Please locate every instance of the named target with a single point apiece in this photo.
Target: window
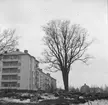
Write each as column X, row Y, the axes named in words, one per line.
column 18, row 57
column 9, row 84
column 18, row 77
column 18, row 84
column 36, row 65
column 4, row 77
column 5, row 85
column 9, row 70
column 10, row 77
column 13, row 77
column 19, row 64
column 6, row 57
column 18, row 70
column 11, row 57
column 11, row 63
column 37, row 73
column 14, row 84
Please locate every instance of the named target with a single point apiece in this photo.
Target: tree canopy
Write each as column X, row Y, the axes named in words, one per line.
column 66, row 44
column 8, row 40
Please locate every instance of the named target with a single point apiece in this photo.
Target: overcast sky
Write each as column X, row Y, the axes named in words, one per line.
column 28, row 17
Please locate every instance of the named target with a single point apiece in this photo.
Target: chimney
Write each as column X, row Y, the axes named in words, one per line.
column 5, row 52
column 41, row 70
column 48, row 74
column 26, row 51
column 17, row 50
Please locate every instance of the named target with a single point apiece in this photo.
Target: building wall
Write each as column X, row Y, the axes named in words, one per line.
column 34, row 66
column 25, row 72
column 45, row 81
column 53, row 81
column 37, row 79
column 10, row 67
column 40, row 79
column 29, row 76
column 0, row 71
column 29, row 66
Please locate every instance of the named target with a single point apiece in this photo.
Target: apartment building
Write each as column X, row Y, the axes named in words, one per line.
column 53, row 83
column 45, row 81
column 20, row 70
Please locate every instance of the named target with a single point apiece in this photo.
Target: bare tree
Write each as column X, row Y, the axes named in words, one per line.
column 66, row 44
column 8, row 40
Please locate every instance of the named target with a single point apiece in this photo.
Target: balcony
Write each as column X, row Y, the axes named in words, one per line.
column 11, row 85
column 11, row 58
column 8, row 71
column 3, row 80
column 11, row 64
column 8, row 78
column 3, row 87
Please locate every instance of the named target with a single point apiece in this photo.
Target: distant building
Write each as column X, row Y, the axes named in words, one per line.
column 19, row 70
column 96, row 90
column 85, row 89
column 53, row 83
column 45, row 81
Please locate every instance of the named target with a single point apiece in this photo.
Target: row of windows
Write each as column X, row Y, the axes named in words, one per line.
column 10, row 70
column 11, row 57
column 10, row 84
column 11, row 63
column 10, row 77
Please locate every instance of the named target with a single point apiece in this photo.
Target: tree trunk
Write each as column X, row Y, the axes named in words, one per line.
column 65, row 80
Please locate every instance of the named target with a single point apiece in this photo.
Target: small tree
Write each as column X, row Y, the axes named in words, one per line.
column 65, row 44
column 8, row 40
column 72, row 89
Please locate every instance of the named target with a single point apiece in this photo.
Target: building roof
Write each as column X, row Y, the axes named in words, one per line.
column 14, row 53
column 18, row 52
column 47, row 74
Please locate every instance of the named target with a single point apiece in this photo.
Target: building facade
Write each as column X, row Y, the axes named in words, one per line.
column 45, row 81
column 20, row 70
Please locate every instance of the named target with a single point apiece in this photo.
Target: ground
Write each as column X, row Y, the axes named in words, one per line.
column 56, row 98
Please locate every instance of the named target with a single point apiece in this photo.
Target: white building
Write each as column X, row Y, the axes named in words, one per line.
column 19, row 70
column 45, row 81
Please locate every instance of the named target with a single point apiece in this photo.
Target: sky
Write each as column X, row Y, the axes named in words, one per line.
column 28, row 17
